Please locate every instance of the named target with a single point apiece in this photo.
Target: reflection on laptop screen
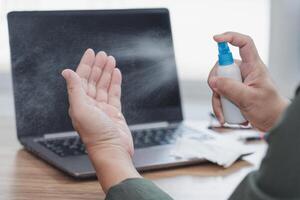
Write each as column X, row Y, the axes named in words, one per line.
column 44, row 43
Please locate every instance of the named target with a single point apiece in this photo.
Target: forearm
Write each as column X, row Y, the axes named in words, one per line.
column 112, row 167
column 279, row 174
column 119, row 178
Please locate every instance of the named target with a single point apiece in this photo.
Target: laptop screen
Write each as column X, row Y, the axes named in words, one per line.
column 43, row 43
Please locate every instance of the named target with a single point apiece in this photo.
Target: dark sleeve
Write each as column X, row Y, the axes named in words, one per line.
column 279, row 174
column 298, row 90
column 136, row 189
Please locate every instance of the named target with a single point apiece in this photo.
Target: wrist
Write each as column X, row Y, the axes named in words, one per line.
column 112, row 165
column 279, row 109
column 284, row 103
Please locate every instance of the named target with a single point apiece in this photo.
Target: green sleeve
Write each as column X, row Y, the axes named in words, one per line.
column 136, row 189
column 279, row 174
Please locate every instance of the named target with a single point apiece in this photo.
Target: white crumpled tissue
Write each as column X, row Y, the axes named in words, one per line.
column 220, row 150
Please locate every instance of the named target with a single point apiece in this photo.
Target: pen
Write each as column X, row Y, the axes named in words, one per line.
column 252, row 138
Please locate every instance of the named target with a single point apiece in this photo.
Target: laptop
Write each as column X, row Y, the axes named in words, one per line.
column 43, row 43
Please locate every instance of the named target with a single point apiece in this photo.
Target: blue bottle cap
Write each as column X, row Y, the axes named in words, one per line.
column 225, row 55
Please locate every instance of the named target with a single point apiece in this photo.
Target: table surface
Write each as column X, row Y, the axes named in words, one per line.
column 24, row 176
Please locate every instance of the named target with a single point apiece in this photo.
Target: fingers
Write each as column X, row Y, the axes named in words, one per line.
column 233, row 90
column 105, row 79
column 114, row 93
column 95, row 73
column 75, row 90
column 246, row 45
column 101, row 59
column 212, row 73
column 216, row 102
column 217, row 107
column 85, row 66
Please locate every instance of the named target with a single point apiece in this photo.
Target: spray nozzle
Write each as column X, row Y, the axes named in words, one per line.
column 225, row 55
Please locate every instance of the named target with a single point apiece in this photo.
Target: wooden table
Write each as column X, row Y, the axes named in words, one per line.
column 24, row 176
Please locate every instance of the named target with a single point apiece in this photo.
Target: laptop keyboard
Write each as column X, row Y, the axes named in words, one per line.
column 153, row 137
column 73, row 146
column 69, row 146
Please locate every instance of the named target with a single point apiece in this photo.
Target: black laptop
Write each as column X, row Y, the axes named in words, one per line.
column 43, row 43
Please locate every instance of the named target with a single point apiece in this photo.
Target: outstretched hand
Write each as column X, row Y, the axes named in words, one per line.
column 94, row 92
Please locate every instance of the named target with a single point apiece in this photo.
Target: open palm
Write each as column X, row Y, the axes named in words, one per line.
column 95, row 103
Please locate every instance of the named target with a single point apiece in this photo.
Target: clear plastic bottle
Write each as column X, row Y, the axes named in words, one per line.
column 227, row 68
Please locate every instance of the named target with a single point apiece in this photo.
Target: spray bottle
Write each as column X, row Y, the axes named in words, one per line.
column 227, row 68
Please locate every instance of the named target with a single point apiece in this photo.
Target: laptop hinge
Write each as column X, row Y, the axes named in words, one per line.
column 163, row 124
column 60, row 135
column 149, row 126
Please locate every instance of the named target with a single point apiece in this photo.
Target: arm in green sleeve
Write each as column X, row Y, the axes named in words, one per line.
column 277, row 178
column 136, row 189
column 279, row 174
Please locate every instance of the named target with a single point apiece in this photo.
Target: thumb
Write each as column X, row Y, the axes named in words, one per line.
column 231, row 89
column 74, row 86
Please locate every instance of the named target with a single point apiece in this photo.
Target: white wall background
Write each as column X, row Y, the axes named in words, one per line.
column 285, row 45
column 194, row 23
